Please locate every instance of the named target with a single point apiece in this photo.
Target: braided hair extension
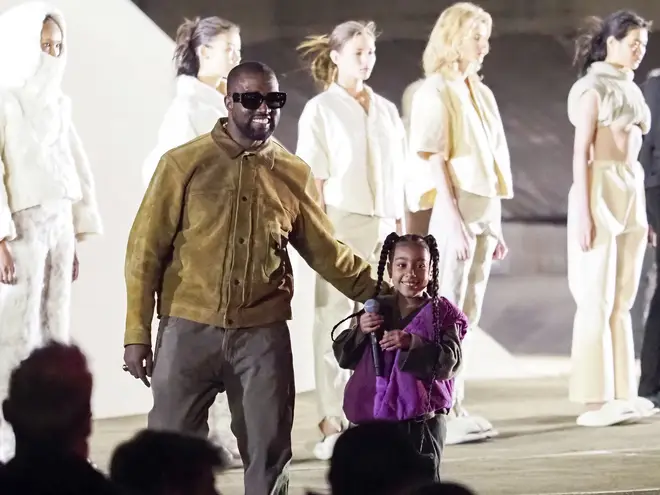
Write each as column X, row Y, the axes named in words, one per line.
column 387, row 250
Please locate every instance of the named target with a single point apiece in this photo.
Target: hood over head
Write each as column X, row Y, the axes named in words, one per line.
column 22, row 63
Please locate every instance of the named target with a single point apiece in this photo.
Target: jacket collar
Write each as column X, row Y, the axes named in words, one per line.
column 265, row 152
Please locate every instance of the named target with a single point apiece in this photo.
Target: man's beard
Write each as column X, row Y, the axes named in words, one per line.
column 257, row 133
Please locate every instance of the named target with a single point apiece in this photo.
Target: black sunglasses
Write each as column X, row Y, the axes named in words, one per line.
column 253, row 99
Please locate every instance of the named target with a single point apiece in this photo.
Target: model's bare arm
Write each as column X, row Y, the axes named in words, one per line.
column 586, row 122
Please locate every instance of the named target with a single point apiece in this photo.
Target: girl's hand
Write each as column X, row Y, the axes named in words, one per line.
column 370, row 322
column 395, row 339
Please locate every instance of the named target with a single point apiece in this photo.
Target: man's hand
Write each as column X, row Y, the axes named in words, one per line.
column 395, row 339
column 370, row 322
column 140, row 361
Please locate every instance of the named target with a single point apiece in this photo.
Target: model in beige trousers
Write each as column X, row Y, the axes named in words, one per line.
column 604, row 281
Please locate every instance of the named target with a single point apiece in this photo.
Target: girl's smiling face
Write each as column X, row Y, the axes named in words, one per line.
column 409, row 268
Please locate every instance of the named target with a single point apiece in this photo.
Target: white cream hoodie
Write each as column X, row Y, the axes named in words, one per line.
column 194, row 111
column 42, row 157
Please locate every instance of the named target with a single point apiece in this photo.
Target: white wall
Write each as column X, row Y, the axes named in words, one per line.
column 119, row 77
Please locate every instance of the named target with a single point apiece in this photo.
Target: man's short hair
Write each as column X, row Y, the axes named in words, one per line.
column 49, row 399
column 154, row 460
column 249, row 68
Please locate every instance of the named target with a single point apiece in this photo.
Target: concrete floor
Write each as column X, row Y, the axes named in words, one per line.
column 540, row 449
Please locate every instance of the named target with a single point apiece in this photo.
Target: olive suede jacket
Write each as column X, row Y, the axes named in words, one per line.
column 210, row 238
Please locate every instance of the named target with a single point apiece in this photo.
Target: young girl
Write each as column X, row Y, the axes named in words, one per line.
column 419, row 336
column 607, row 224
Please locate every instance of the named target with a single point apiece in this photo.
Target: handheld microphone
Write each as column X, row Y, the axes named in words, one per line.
column 372, row 306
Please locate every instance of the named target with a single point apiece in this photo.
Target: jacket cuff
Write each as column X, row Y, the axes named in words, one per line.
column 137, row 336
column 86, row 221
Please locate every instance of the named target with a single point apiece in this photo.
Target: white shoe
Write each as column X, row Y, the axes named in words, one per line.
column 612, row 413
column 644, row 407
column 468, row 429
column 323, row 449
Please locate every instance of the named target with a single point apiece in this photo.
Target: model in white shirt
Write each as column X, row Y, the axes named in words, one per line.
column 47, row 198
column 354, row 141
column 207, row 49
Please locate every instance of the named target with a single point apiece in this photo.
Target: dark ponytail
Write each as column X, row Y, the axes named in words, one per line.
column 591, row 42
column 190, row 36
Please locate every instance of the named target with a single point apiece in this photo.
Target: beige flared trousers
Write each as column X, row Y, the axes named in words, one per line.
column 604, row 282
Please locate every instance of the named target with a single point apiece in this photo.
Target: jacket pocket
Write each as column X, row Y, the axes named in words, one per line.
column 276, row 259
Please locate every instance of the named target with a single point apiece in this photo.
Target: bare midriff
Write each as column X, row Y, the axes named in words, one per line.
column 617, row 143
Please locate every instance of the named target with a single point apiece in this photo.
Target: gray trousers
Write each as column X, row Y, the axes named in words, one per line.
column 193, row 362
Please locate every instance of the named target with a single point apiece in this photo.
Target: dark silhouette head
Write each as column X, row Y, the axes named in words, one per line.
column 158, row 462
column 49, row 400
column 378, row 458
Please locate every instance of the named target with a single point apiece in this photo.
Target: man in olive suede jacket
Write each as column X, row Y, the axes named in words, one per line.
column 210, row 240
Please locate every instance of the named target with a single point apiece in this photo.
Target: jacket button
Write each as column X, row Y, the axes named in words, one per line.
column 230, row 321
column 243, row 198
column 237, row 282
column 241, row 240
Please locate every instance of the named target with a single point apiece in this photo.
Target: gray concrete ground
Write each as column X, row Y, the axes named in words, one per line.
column 540, row 449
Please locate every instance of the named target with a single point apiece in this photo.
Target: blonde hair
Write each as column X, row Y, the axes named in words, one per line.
column 318, row 49
column 452, row 27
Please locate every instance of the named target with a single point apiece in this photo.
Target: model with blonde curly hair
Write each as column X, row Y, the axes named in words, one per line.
column 456, row 129
column 354, row 141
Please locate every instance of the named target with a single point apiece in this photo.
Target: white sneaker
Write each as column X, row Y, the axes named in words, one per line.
column 468, row 429
column 323, row 449
column 644, row 407
column 612, row 413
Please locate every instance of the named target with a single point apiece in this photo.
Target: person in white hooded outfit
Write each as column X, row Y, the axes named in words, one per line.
column 207, row 49
column 47, row 198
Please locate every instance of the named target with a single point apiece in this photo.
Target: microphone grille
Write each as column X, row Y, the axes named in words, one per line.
column 371, row 306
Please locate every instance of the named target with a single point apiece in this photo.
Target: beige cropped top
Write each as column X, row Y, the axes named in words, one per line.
column 622, row 102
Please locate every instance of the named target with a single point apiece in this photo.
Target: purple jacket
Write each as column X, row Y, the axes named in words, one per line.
column 402, row 393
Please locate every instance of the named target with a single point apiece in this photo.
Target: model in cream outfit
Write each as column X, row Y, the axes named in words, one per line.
column 607, row 225
column 207, row 49
column 354, row 141
column 47, row 191
column 456, row 128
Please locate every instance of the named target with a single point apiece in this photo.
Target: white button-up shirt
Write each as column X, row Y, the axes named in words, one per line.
column 361, row 156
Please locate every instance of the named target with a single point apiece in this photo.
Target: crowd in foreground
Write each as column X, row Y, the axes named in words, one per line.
column 49, row 408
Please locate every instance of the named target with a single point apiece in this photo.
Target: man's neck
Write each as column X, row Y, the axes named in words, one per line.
column 242, row 141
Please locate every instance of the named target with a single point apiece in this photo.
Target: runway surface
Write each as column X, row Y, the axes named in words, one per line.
column 540, row 449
